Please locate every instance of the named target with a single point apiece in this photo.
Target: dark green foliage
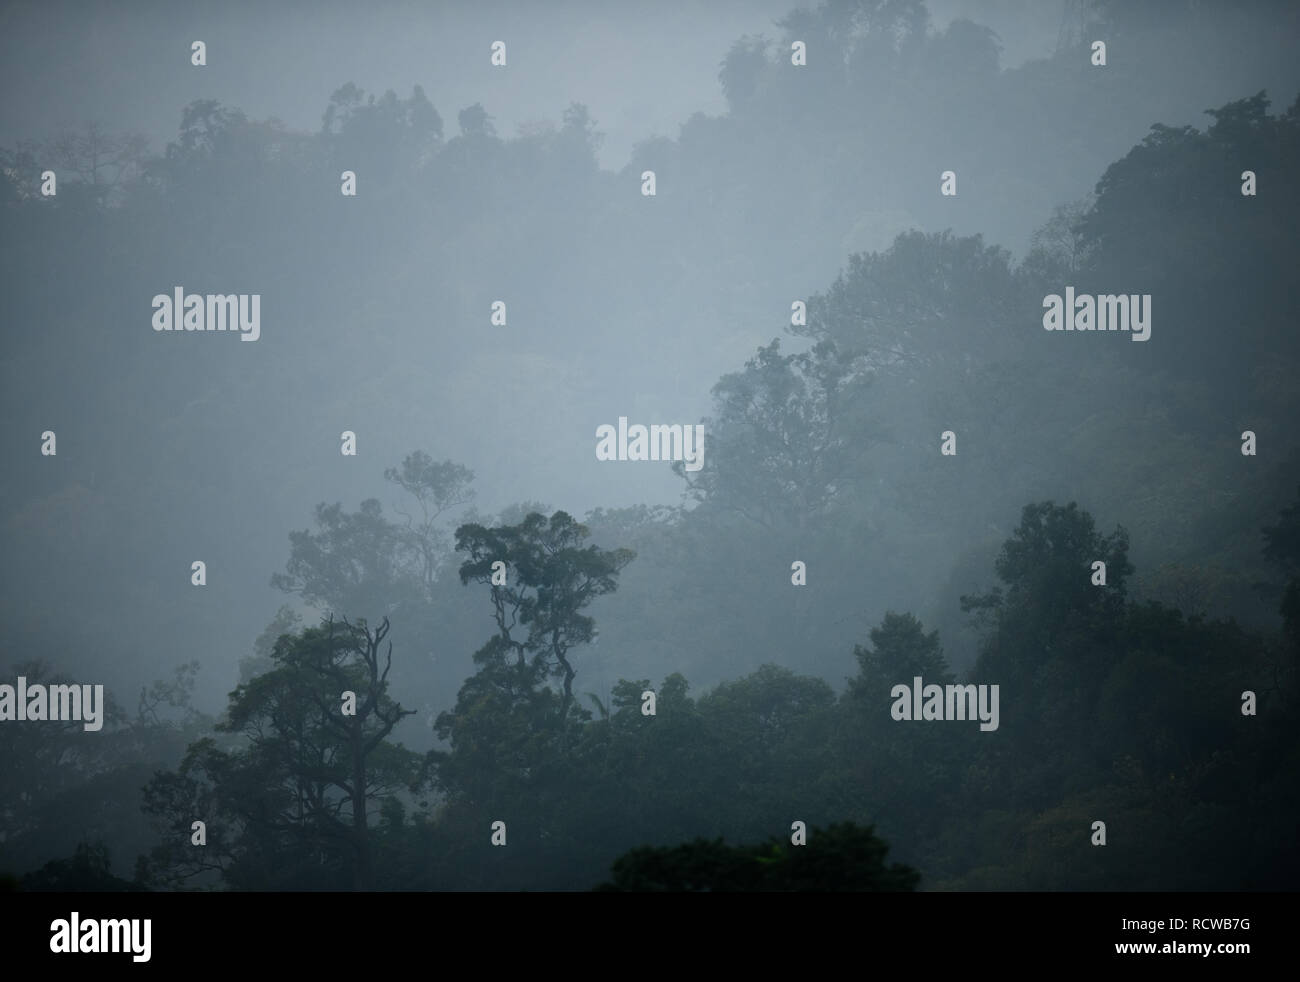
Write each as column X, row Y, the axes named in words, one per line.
column 1111, row 709
column 554, row 578
column 287, row 799
column 1170, row 215
column 840, row 858
column 88, row 871
column 63, row 787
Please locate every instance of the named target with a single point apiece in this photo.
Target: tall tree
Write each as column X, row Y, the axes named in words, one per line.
column 541, row 579
column 513, row 737
column 288, row 802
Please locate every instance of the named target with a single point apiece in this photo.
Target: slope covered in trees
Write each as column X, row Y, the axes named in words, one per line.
column 518, row 695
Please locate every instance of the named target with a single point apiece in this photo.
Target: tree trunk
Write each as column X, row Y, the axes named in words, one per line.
column 361, row 872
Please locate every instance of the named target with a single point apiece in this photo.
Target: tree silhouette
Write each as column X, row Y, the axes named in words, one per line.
column 842, row 857
column 288, row 804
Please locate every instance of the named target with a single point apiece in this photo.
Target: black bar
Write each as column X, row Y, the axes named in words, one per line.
column 483, row 934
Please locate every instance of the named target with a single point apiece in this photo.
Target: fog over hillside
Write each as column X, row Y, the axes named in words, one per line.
column 766, row 321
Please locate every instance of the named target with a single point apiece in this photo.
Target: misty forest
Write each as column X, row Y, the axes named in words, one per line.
column 376, row 607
